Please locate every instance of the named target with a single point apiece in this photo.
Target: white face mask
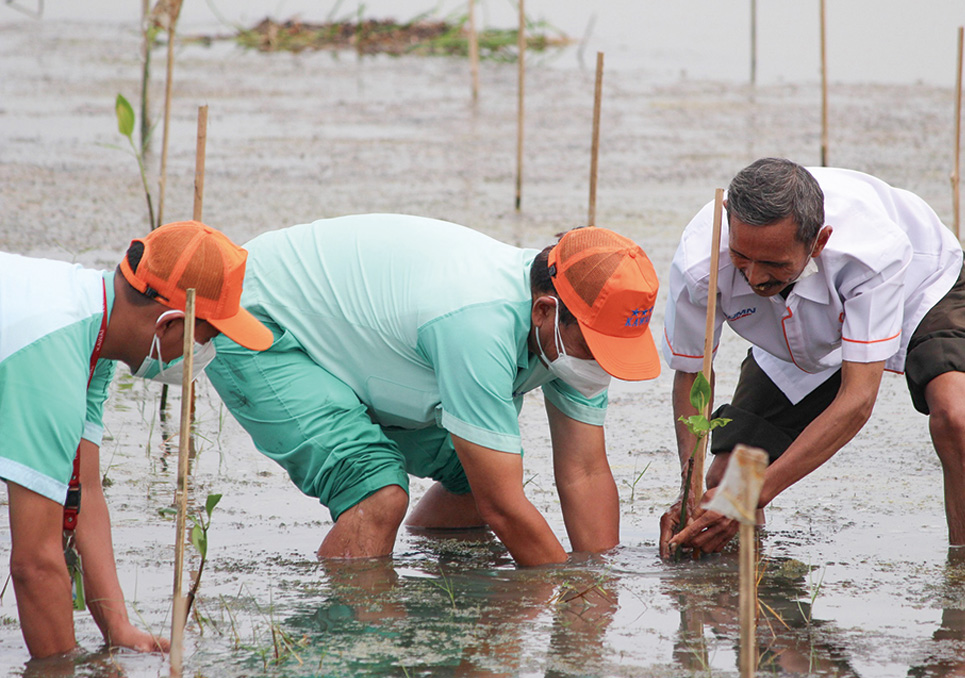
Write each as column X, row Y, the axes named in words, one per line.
column 172, row 373
column 586, row 376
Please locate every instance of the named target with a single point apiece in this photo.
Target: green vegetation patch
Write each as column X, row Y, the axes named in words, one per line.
column 422, row 36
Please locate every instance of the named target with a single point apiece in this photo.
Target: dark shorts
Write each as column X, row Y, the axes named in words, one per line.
column 938, row 344
column 762, row 416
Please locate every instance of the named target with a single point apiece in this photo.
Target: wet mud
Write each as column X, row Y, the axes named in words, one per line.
column 858, row 579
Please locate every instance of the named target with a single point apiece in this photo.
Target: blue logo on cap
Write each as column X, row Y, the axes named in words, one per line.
column 639, row 316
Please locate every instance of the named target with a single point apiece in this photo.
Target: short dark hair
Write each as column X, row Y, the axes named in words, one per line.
column 771, row 189
column 133, row 296
column 541, row 283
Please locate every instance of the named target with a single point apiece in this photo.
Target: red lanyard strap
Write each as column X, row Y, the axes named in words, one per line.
column 72, row 503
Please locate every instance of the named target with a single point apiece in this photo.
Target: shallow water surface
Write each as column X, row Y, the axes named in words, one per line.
column 857, row 579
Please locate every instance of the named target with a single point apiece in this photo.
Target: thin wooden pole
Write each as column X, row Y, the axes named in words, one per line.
column 473, row 51
column 179, row 614
column 956, row 194
column 145, row 131
column 824, row 86
column 700, row 452
column 199, row 158
column 752, row 464
column 595, row 146
column 748, row 601
column 736, row 497
column 753, row 42
column 173, row 12
column 521, row 48
column 199, row 161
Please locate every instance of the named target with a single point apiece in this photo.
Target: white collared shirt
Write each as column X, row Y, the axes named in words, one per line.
column 888, row 261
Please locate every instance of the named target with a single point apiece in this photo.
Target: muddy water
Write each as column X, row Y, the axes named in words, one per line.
column 857, row 579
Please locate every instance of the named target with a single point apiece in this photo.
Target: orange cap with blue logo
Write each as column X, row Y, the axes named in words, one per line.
column 189, row 254
column 609, row 285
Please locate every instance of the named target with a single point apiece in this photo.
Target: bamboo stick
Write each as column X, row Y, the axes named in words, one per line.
column 162, row 180
column 179, row 614
column 752, row 464
column 824, row 87
column 473, row 51
column 595, row 146
column 146, row 76
column 521, row 48
column 753, row 42
column 956, row 194
column 700, row 453
column 199, row 158
column 736, row 497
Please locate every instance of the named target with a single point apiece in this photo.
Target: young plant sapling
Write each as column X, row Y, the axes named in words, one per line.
column 699, row 426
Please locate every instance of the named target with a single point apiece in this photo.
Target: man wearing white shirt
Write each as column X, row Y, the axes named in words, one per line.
column 834, row 277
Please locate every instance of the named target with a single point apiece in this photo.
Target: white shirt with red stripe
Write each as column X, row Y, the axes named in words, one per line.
column 888, row 261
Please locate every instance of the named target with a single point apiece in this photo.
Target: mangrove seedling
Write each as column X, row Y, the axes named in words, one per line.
column 125, row 125
column 699, row 426
column 199, row 539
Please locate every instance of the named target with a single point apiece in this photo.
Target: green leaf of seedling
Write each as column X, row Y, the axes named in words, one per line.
column 700, row 392
column 167, row 512
column 696, row 424
column 125, row 116
column 200, row 540
column 718, row 422
column 209, row 505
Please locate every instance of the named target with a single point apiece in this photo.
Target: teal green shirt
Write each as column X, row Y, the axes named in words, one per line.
column 425, row 320
column 50, row 316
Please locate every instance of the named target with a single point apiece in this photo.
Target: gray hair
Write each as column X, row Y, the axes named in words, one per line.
column 771, row 189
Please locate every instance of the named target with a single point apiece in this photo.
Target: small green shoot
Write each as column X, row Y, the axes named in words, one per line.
column 633, row 485
column 446, row 585
column 199, row 539
column 125, row 125
column 699, row 426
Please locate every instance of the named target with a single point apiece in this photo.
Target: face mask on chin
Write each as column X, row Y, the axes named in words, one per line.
column 586, row 376
column 172, row 373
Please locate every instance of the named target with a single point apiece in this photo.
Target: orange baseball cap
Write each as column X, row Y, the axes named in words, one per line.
column 186, row 254
column 608, row 283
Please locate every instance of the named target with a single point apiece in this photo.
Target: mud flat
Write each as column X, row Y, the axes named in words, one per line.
column 856, row 557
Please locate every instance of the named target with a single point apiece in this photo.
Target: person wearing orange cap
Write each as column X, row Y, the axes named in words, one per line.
column 404, row 345
column 62, row 327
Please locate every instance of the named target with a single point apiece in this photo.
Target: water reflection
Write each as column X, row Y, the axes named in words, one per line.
column 76, row 664
column 946, row 652
column 458, row 607
column 791, row 642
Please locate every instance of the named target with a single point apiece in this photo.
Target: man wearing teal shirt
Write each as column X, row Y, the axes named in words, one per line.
column 404, row 345
column 61, row 329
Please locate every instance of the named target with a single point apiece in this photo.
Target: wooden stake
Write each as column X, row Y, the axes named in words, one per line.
column 824, row 87
column 174, row 9
column 521, row 48
column 473, row 51
column 700, row 453
column 595, row 146
column 199, row 161
column 748, row 601
column 737, row 497
column 179, row 614
column 956, row 195
column 753, row 42
column 146, row 76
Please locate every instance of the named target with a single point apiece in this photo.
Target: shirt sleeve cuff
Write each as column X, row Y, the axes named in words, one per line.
column 503, row 442
column 93, row 432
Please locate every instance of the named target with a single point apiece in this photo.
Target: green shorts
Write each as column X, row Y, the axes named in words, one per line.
column 318, row 430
